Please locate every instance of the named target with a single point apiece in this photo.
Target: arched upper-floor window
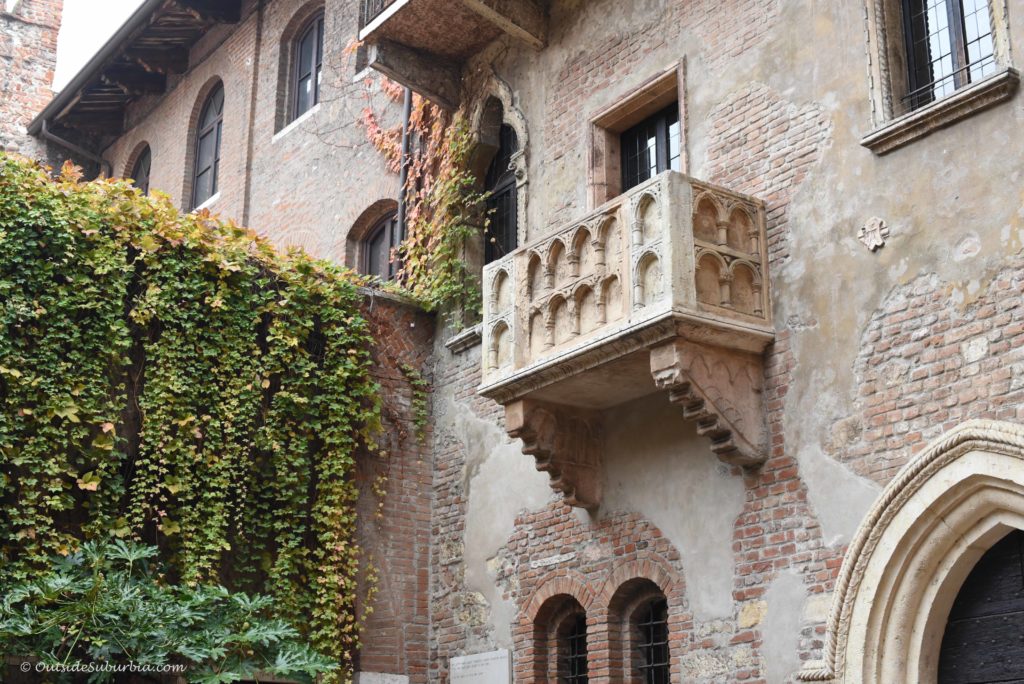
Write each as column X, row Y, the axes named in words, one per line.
column 500, row 182
column 308, row 67
column 377, row 247
column 139, row 172
column 206, row 170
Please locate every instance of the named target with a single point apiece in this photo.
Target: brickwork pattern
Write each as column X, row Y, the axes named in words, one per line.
column 28, row 56
column 927, row 364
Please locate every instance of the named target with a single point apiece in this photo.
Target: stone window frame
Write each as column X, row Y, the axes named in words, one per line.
column 292, row 32
column 905, row 565
column 887, row 74
column 604, row 173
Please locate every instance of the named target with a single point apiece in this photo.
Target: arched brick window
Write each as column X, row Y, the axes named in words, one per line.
column 377, row 248
column 206, row 169
column 638, row 633
column 139, row 167
column 559, row 650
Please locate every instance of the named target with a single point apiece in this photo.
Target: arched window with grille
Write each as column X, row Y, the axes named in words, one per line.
column 651, row 641
column 308, row 67
column 572, row 649
column 502, row 209
column 140, row 169
column 206, row 170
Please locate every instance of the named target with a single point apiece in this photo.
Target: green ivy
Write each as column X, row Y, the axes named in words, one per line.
column 173, row 379
column 420, row 407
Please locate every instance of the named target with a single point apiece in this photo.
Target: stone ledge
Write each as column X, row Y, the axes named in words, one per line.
column 945, row 112
column 465, row 339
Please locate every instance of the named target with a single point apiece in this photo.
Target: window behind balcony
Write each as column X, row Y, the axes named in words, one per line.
column 651, row 147
column 949, row 44
column 503, row 227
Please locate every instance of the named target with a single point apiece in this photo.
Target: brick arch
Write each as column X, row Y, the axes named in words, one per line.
column 300, row 19
column 133, row 158
column 628, row 590
column 559, row 596
column 569, row 583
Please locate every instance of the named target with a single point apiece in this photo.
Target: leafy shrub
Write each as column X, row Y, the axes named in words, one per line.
column 108, row 603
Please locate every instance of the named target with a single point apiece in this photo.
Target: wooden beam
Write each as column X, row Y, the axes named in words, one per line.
column 433, row 77
column 135, row 80
column 164, row 61
column 217, row 11
column 107, row 123
column 525, row 20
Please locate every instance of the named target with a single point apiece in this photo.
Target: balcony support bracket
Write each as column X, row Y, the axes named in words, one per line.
column 567, row 443
column 521, row 19
column 721, row 391
column 432, row 77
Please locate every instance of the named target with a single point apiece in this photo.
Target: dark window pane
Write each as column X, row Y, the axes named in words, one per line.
column 502, row 234
column 652, row 628
column 572, row 652
column 651, row 147
column 140, row 173
column 308, row 66
column 207, row 150
column 377, row 248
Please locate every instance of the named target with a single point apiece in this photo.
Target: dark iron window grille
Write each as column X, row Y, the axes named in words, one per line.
column 573, row 652
column 308, row 59
column 373, row 8
column 652, row 626
column 377, row 248
column 651, row 147
column 502, row 234
column 140, row 172
column 208, row 136
column 949, row 44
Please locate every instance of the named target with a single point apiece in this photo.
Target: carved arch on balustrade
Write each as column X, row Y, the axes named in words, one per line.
column 645, row 224
column 648, row 279
column 746, row 288
column 912, row 552
column 709, row 280
column 708, row 214
column 740, row 234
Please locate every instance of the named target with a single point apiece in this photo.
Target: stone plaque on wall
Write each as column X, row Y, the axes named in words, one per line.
column 484, row 668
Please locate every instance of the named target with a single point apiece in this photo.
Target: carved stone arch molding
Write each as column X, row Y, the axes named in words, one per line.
column 494, row 87
column 913, row 551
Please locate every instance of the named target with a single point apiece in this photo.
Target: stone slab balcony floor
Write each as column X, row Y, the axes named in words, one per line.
column 664, row 288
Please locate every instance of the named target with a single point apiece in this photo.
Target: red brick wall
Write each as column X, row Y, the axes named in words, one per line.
column 28, row 55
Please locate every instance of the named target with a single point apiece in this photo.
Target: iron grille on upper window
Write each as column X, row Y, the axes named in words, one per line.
column 377, row 248
column 503, row 229
column 140, row 172
column 309, row 57
column 650, row 147
column 572, row 650
column 949, row 45
column 372, row 8
column 653, row 645
column 208, row 136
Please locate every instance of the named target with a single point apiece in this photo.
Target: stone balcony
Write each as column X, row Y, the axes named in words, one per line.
column 664, row 288
column 423, row 44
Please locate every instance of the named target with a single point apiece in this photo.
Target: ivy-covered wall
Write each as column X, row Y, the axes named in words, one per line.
column 174, row 379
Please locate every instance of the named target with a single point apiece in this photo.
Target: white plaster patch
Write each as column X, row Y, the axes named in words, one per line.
column 658, row 466
column 968, row 247
column 500, row 482
column 781, row 628
column 839, row 496
column 974, row 349
column 816, row 608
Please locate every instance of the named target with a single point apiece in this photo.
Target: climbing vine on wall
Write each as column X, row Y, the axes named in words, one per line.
column 173, row 379
column 445, row 207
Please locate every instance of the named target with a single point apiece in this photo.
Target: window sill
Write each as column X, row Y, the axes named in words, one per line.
column 208, row 203
column 296, row 123
column 947, row 111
